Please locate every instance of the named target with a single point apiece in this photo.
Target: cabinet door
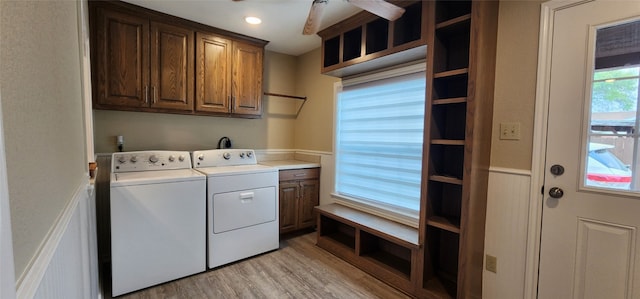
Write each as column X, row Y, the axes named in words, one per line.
column 289, row 192
column 213, row 73
column 122, row 61
column 309, row 198
column 171, row 67
column 247, row 79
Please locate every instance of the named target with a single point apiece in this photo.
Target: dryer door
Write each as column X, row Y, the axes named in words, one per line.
column 240, row 209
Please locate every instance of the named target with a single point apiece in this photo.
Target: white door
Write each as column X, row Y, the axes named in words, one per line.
column 591, row 212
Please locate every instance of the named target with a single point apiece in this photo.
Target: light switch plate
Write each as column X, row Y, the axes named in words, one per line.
column 491, row 263
column 510, row 131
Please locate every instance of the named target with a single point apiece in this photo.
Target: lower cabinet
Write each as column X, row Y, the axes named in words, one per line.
column 299, row 194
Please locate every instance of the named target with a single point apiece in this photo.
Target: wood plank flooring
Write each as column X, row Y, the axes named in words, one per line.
column 299, row 269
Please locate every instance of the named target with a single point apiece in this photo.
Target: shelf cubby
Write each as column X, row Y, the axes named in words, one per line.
column 408, row 27
column 448, row 121
column 441, row 253
column 446, row 160
column 450, row 84
column 377, row 36
column 338, row 232
column 391, row 256
column 352, row 44
column 331, row 49
column 445, row 201
column 452, row 45
column 448, row 10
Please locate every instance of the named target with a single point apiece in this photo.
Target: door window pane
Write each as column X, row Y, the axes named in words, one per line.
column 613, row 153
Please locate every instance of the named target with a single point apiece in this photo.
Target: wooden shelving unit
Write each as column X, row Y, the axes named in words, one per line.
column 460, row 79
column 366, row 42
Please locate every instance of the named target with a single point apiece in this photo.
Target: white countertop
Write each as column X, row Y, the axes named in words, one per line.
column 290, row 164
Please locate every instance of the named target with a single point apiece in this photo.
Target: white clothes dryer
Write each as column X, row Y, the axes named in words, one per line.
column 242, row 204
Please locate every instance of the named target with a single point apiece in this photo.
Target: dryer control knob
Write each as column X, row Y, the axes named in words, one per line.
column 134, row 159
column 249, row 154
column 242, row 155
column 181, row 158
column 153, row 159
column 173, row 158
column 201, row 157
column 226, row 156
column 122, row 159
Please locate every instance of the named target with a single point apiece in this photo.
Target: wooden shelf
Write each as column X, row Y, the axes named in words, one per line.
column 446, row 179
column 443, row 223
column 450, row 101
column 447, row 142
column 451, row 73
column 454, row 21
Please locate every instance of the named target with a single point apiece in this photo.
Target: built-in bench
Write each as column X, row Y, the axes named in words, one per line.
column 385, row 249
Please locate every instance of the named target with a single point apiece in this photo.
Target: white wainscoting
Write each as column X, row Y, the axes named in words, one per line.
column 506, row 232
column 66, row 266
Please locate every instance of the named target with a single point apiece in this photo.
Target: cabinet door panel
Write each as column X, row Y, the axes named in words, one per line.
column 171, row 67
column 247, row 79
column 288, row 206
column 213, row 73
column 309, row 198
column 122, row 61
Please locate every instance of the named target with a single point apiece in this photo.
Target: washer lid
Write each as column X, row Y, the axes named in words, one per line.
column 234, row 170
column 154, row 177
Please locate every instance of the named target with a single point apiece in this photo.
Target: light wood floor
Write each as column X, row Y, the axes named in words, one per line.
column 298, row 269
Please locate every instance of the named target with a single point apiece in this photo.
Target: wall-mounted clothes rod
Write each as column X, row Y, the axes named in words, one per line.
column 303, row 99
column 284, row 96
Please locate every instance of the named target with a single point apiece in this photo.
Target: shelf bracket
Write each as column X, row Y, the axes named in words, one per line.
column 303, row 99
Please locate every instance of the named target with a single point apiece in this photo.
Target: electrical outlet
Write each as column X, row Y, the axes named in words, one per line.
column 510, row 131
column 491, row 263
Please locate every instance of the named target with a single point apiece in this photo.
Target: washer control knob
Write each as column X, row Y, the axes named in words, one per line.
column 201, row 157
column 134, row 159
column 226, row 156
column 242, row 155
column 122, row 159
column 173, row 158
column 181, row 158
column 153, row 159
column 249, row 154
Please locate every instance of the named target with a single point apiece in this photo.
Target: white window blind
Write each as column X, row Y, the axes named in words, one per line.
column 379, row 133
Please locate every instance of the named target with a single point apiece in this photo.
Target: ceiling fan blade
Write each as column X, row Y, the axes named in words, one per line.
column 313, row 20
column 380, row 8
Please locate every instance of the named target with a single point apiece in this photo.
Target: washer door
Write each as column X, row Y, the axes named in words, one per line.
column 240, row 209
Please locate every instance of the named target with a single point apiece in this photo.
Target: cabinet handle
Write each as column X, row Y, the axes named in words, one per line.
column 299, row 174
column 146, row 94
column 153, row 90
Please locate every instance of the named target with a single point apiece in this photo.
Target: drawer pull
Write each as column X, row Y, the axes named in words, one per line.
column 299, row 174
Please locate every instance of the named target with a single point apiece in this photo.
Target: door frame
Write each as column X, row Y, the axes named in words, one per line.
column 545, row 46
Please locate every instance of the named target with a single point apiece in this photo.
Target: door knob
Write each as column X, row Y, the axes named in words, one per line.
column 556, row 192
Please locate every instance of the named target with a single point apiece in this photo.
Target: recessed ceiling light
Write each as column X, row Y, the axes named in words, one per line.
column 253, row 20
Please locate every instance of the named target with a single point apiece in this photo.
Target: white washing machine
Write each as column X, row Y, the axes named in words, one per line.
column 158, row 219
column 242, row 204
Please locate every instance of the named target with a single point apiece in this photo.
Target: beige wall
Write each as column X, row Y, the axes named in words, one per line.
column 515, row 89
column 314, row 126
column 42, row 117
column 148, row 131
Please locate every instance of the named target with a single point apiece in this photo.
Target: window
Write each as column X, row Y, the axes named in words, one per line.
column 379, row 134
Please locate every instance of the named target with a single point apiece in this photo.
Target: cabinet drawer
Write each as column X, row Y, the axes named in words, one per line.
column 299, row 174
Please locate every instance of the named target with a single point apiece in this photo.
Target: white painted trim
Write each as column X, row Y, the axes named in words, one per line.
column 412, row 67
column 27, row 285
column 547, row 13
column 510, row 171
column 7, row 275
column 85, row 73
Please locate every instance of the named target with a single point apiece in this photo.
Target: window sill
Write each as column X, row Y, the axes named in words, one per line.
column 404, row 217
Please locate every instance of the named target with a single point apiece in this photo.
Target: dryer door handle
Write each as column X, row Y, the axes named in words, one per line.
column 246, row 196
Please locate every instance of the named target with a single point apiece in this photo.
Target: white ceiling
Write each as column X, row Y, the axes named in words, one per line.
column 282, row 20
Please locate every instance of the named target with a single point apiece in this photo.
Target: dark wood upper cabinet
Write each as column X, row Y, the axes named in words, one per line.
column 247, row 79
column 171, row 67
column 213, row 73
column 148, row 61
column 121, row 71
